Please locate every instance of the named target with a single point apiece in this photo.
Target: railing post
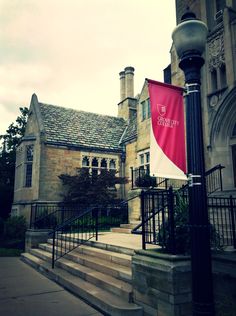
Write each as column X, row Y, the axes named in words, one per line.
column 31, row 216
column 132, row 176
column 233, row 221
column 96, row 223
column 171, row 220
column 53, row 249
column 153, row 219
column 221, row 184
column 166, row 183
column 143, row 220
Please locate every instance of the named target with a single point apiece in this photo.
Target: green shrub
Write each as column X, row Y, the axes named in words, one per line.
column 145, row 181
column 182, row 230
column 15, row 227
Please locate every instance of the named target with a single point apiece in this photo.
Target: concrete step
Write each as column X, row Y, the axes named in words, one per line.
column 113, row 269
column 101, row 299
column 130, row 225
column 97, row 278
column 107, row 255
column 104, row 246
column 121, row 230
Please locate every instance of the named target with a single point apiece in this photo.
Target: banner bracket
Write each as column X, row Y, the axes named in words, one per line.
column 191, row 178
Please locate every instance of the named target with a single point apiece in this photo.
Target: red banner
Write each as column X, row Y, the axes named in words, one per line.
column 167, row 148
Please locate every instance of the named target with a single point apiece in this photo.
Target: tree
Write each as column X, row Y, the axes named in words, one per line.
column 85, row 188
column 10, row 140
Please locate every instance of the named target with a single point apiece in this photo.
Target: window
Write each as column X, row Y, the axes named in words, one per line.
column 145, row 109
column 96, row 164
column 148, row 108
column 104, row 164
column 144, row 161
column 29, row 165
column 85, row 162
column 234, row 131
column 112, row 164
column 144, row 114
column 223, row 79
column 95, row 167
column 213, row 80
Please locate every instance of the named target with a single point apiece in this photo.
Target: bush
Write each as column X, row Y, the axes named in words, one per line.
column 15, row 227
column 145, row 181
column 182, row 230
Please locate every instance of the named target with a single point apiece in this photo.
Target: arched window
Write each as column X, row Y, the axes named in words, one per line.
column 223, row 79
column 94, row 167
column 85, row 162
column 104, row 163
column 234, row 131
column 94, row 162
column 214, row 80
column 112, row 164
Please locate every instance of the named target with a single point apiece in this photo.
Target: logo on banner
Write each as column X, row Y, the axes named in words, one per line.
column 163, row 121
column 161, row 109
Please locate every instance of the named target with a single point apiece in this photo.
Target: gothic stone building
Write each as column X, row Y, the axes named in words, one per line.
column 218, row 78
column 59, row 140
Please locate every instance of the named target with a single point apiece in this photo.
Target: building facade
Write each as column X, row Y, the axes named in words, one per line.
column 59, row 140
column 218, row 78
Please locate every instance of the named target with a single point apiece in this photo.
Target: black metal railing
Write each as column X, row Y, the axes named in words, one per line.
column 214, row 179
column 222, row 216
column 141, row 178
column 49, row 215
column 165, row 220
column 73, row 233
column 85, row 226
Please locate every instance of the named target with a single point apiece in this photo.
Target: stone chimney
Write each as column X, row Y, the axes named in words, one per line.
column 122, row 86
column 128, row 104
column 129, row 82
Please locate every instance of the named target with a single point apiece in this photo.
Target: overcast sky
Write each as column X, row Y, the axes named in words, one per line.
column 70, row 52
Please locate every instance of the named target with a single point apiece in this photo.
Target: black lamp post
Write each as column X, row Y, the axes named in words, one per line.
column 189, row 38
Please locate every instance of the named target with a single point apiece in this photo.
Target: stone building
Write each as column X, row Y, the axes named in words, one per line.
column 218, row 78
column 59, row 140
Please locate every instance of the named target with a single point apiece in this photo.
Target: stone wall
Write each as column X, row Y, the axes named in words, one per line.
column 162, row 283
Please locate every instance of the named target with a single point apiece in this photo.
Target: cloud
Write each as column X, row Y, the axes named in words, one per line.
column 70, row 52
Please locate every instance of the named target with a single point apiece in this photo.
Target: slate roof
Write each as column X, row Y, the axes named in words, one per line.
column 130, row 132
column 70, row 127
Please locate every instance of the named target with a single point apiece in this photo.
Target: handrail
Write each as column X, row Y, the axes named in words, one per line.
column 84, row 226
column 216, row 167
column 214, row 179
column 78, row 230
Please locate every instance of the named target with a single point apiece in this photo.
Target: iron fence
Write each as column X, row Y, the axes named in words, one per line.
column 51, row 215
column 165, row 220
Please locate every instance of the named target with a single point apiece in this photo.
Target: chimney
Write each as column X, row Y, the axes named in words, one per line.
column 122, row 86
column 129, row 82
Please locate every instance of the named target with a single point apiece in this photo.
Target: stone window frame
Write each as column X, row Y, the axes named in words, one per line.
column 103, row 163
column 144, row 159
column 29, row 157
column 145, row 109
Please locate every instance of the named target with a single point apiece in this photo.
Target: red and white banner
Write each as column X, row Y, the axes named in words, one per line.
column 167, row 143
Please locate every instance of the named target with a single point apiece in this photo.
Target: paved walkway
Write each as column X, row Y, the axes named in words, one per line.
column 25, row 292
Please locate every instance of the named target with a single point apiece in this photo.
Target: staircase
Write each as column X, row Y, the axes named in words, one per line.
column 98, row 273
column 125, row 228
